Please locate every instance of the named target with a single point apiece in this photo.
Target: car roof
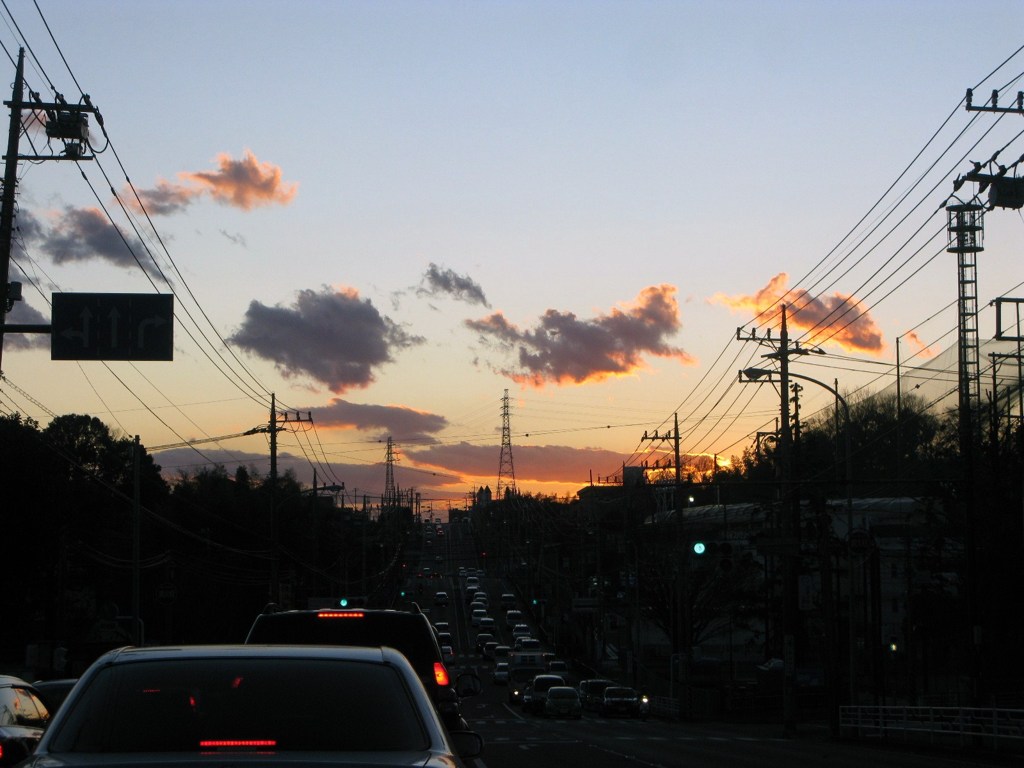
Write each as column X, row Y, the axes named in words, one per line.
column 252, row 650
column 547, row 677
column 6, row 680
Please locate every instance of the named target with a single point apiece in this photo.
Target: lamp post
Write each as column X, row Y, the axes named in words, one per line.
column 756, row 374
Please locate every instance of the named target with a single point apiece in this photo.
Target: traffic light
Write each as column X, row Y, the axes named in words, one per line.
column 358, row 601
column 718, row 551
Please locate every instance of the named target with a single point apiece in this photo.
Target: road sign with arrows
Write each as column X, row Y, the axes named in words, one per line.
column 112, row 326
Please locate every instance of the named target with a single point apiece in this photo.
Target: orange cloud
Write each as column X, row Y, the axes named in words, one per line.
column 563, row 349
column 245, row 183
column 836, row 318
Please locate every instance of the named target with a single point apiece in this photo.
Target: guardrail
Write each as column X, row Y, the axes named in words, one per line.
column 963, row 726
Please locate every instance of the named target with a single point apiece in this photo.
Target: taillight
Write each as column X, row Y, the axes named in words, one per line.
column 236, row 743
column 340, row 615
column 441, row 674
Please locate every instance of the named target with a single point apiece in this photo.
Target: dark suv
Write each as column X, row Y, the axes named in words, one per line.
column 409, row 632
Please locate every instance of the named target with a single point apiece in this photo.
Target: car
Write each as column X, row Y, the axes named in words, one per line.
column 472, row 582
column 477, row 605
column 499, row 676
column 592, row 692
column 488, row 624
column 23, row 718
column 619, row 700
column 445, row 638
column 407, row 631
column 481, row 597
column 558, row 667
column 488, row 649
column 441, row 598
column 53, row 692
column 507, row 600
column 514, row 618
column 536, row 692
column 235, row 704
column 482, row 639
column 526, row 645
column 502, row 652
column 521, row 630
column 563, row 701
column 476, row 615
column 441, row 626
column 448, row 654
column 519, row 676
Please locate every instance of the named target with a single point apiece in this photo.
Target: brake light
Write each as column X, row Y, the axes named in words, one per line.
column 229, row 743
column 441, row 674
column 340, row 615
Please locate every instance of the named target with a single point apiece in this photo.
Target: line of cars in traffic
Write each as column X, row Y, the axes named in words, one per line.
column 550, row 694
column 536, row 680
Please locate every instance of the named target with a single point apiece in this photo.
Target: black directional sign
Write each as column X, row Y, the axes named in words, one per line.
column 112, row 326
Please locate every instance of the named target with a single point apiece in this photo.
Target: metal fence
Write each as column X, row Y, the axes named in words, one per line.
column 963, row 726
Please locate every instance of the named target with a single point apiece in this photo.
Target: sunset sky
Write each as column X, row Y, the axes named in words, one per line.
column 388, row 213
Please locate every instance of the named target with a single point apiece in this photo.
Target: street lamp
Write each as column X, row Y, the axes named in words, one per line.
column 755, row 374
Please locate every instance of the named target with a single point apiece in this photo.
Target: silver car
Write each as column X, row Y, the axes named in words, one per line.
column 217, row 705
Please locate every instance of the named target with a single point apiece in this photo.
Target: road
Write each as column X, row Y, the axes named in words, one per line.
column 513, row 738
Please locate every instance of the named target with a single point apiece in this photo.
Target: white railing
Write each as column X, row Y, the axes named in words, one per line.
column 964, row 726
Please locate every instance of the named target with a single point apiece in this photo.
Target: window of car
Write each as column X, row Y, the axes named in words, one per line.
column 199, row 703
column 562, row 692
column 19, row 706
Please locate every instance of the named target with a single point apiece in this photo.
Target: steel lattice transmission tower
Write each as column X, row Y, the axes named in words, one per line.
column 966, row 236
column 506, row 470
column 390, row 498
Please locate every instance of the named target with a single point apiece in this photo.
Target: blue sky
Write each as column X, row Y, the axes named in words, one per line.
column 392, row 212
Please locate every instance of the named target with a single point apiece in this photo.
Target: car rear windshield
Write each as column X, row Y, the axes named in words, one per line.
column 408, row 633
column 193, row 705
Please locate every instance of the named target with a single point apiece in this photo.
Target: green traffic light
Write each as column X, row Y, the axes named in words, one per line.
column 699, row 548
column 343, row 602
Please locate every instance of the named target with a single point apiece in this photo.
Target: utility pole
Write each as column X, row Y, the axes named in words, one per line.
column 789, row 505
column 66, row 122
column 275, row 425
column 7, row 202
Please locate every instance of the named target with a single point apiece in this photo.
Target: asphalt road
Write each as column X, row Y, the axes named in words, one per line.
column 513, row 738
